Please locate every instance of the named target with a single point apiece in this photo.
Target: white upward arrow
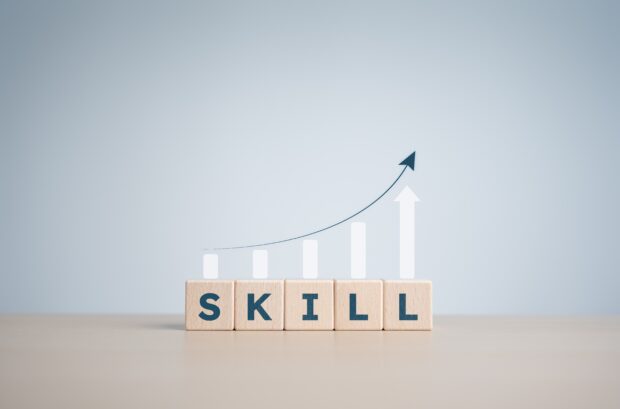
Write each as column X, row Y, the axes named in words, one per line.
column 407, row 199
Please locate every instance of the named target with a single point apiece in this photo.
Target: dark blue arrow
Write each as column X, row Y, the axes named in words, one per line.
column 409, row 162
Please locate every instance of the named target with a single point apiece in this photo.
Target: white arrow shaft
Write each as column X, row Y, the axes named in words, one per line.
column 407, row 241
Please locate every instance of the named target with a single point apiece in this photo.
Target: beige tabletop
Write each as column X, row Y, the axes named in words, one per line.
column 151, row 362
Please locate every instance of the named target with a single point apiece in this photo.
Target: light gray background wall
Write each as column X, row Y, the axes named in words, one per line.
column 133, row 134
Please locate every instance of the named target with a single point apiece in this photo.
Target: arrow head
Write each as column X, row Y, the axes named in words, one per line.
column 409, row 161
column 407, row 196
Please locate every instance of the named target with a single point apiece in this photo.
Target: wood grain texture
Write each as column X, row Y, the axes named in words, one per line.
column 273, row 305
column 369, row 296
column 194, row 289
column 419, row 301
column 296, row 306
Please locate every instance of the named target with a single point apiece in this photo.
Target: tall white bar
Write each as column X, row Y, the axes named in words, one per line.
column 210, row 266
column 310, row 257
column 259, row 263
column 407, row 200
column 358, row 250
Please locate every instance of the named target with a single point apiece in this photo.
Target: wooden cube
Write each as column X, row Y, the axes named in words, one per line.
column 309, row 305
column 209, row 304
column 407, row 305
column 358, row 305
column 259, row 305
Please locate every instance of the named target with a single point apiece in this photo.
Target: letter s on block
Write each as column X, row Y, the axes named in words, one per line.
column 204, row 303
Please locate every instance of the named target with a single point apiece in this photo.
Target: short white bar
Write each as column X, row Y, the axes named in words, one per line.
column 210, row 266
column 259, row 263
column 358, row 250
column 310, row 258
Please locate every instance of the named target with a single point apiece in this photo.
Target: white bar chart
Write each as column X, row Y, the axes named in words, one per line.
column 310, row 258
column 406, row 199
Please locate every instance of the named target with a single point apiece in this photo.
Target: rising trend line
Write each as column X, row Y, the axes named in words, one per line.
column 408, row 162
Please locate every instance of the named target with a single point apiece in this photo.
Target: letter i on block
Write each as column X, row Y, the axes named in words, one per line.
column 407, row 305
column 309, row 305
column 209, row 303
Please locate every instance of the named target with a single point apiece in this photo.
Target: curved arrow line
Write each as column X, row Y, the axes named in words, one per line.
column 316, row 231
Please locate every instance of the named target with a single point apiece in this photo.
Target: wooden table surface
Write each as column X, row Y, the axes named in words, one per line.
column 465, row 362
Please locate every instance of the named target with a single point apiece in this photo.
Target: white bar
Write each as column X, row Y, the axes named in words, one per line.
column 210, row 266
column 407, row 200
column 358, row 250
column 259, row 263
column 310, row 259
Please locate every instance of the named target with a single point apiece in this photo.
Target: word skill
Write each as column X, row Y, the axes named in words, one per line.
column 264, row 305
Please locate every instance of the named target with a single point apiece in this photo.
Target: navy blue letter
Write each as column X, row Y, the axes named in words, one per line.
column 353, row 315
column 310, row 315
column 256, row 306
column 402, row 309
column 204, row 303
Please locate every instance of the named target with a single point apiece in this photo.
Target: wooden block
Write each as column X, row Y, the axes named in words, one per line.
column 407, row 305
column 358, row 305
column 309, row 305
column 259, row 305
column 209, row 305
